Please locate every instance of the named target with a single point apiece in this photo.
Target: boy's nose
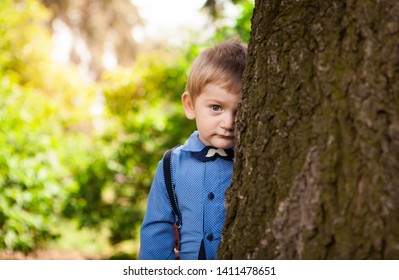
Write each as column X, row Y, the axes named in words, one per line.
column 228, row 122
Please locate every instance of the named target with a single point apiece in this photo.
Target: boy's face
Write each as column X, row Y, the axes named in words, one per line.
column 214, row 111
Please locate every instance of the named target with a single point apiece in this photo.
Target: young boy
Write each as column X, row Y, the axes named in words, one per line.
column 202, row 167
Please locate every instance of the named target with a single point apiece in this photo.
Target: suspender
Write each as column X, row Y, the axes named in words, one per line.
column 170, row 187
column 167, row 171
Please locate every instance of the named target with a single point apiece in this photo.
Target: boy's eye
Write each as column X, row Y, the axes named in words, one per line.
column 216, row 108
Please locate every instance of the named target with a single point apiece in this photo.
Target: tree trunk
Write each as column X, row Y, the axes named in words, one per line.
column 317, row 158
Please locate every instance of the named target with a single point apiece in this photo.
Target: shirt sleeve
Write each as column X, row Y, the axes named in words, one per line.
column 156, row 233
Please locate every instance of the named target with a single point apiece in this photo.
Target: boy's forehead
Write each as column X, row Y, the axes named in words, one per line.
column 214, row 92
column 220, row 87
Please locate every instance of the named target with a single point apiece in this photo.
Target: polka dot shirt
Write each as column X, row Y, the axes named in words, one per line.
column 199, row 188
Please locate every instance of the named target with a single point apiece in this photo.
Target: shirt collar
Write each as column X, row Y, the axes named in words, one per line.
column 193, row 143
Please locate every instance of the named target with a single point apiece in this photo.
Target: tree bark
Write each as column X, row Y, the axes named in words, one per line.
column 317, row 157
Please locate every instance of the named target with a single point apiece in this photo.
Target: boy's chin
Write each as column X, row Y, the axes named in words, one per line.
column 223, row 144
column 219, row 142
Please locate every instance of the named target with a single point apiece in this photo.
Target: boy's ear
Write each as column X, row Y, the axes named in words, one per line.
column 188, row 106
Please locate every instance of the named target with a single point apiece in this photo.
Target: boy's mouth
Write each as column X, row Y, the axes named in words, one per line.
column 227, row 137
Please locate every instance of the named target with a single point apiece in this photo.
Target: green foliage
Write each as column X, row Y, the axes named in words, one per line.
column 35, row 114
column 34, row 179
column 243, row 22
column 241, row 28
column 27, row 183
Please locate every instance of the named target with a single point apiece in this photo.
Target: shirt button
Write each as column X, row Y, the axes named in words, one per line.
column 209, row 237
column 211, row 195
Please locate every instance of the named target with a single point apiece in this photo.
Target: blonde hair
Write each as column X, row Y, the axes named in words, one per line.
column 222, row 64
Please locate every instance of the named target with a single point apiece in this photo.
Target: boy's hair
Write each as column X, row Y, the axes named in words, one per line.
column 222, row 64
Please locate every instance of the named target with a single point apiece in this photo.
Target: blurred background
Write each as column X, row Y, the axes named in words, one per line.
column 89, row 101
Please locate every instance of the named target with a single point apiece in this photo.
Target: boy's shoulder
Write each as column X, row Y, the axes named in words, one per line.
column 192, row 144
column 182, row 153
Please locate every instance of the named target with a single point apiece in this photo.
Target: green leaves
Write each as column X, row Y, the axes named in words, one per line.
column 35, row 119
column 33, row 177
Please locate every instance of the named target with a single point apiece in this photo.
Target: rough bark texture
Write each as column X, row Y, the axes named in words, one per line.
column 317, row 163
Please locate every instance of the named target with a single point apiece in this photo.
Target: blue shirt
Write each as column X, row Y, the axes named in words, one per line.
column 199, row 188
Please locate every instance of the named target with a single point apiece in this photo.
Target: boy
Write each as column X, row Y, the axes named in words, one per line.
column 202, row 167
